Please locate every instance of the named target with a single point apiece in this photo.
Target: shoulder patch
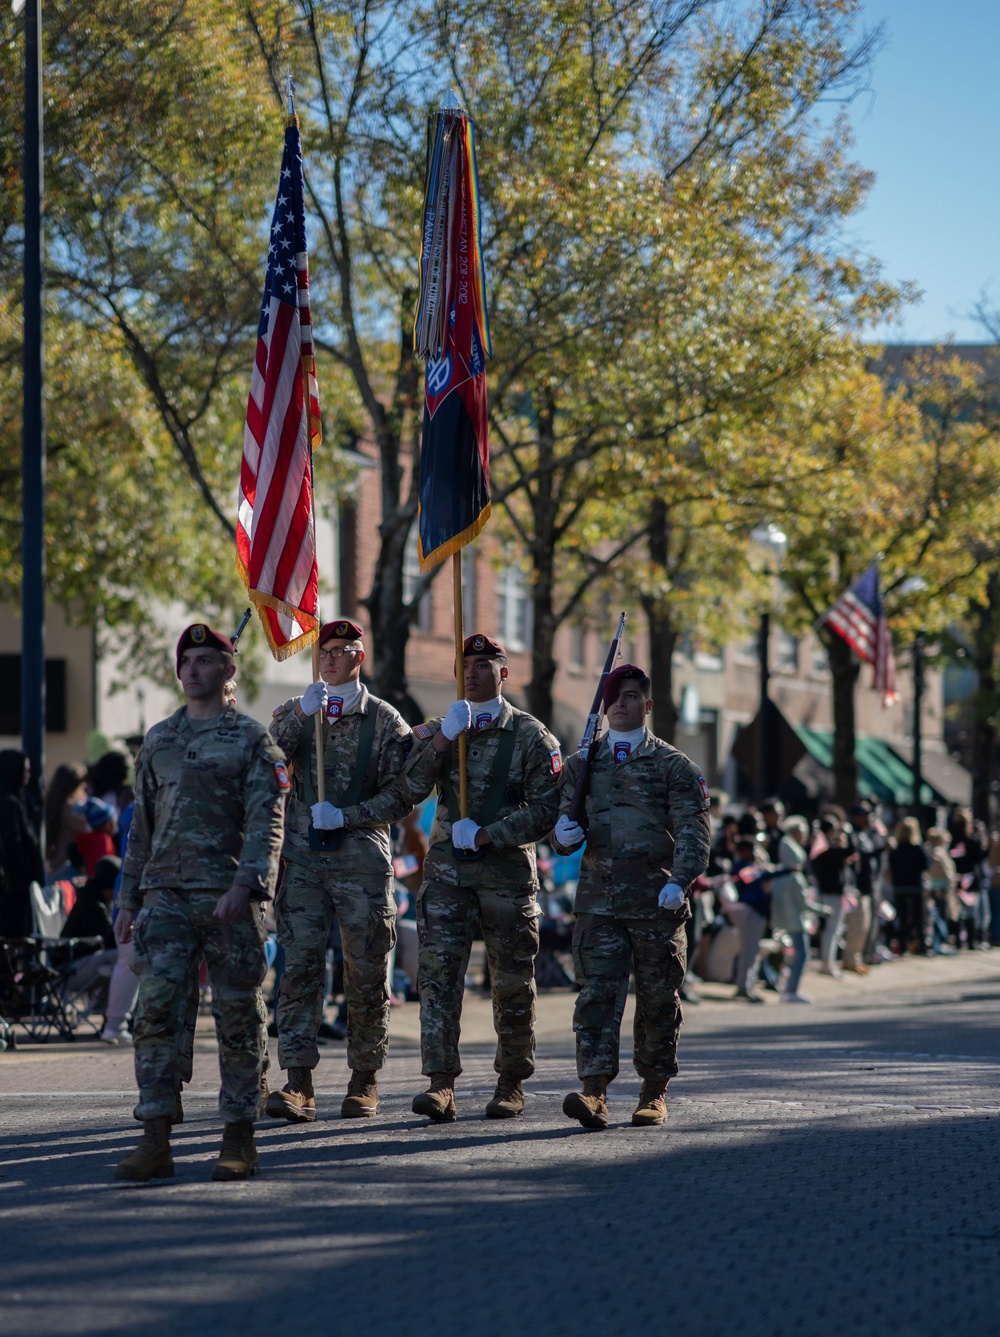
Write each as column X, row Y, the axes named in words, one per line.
column 407, row 745
column 422, row 731
column 281, row 775
column 704, row 789
column 278, row 711
column 555, row 761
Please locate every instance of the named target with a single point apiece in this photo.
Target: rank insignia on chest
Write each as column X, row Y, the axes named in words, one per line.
column 334, row 707
column 555, row 761
column 484, row 720
column 422, row 731
column 621, row 752
column 281, row 775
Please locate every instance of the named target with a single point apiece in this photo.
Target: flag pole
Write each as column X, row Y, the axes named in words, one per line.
column 463, row 771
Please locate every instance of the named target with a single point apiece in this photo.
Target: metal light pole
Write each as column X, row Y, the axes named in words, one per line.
column 33, row 434
column 919, row 645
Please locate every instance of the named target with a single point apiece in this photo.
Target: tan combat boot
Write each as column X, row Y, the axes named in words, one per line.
column 296, row 1101
column 652, row 1106
column 238, row 1156
column 438, row 1103
column 151, row 1158
column 508, row 1099
column 591, row 1105
column 361, row 1101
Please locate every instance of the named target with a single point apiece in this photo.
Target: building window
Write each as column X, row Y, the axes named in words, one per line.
column 578, row 646
column 411, row 575
column 786, row 652
column 469, row 588
column 513, row 609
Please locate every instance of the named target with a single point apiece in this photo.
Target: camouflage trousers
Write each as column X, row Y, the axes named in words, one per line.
column 447, row 918
column 307, row 900
column 187, row 1026
column 605, row 951
column 171, row 936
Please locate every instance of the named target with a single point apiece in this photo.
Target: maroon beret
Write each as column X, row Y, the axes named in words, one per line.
column 478, row 644
column 343, row 628
column 198, row 635
column 615, row 678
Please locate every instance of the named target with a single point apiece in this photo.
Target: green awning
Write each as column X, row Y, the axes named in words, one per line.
column 881, row 771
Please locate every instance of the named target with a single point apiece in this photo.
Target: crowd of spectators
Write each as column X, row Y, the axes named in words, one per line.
column 846, row 891
column 86, row 810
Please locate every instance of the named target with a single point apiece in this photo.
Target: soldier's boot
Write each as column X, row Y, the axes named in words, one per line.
column 438, row 1102
column 508, row 1099
column 296, row 1101
column 151, row 1158
column 590, row 1105
column 652, row 1106
column 238, row 1156
column 361, row 1101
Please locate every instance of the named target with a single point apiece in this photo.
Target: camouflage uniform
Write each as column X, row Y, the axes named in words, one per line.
column 628, row 859
column 208, row 816
column 354, row 882
column 498, row 890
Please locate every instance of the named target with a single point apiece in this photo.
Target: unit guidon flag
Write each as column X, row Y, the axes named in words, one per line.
column 452, row 333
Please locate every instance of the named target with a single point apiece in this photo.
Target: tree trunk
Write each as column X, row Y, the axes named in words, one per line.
column 845, row 667
column 662, row 636
column 389, row 612
column 984, row 731
column 544, row 502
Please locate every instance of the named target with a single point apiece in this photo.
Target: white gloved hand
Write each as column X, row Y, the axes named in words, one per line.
column 671, row 897
column 326, row 817
column 314, row 698
column 569, row 833
column 458, row 719
column 463, row 832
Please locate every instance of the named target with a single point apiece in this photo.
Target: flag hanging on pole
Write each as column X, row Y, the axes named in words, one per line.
column 452, row 333
column 859, row 617
column 275, row 532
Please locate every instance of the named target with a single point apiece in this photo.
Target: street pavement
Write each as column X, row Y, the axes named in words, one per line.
column 825, row 1169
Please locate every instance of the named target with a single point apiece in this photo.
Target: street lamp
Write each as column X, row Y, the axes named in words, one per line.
column 769, row 544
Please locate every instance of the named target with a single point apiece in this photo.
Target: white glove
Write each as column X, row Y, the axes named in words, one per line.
column 569, row 833
column 314, row 698
column 326, row 817
column 671, row 897
column 458, row 719
column 463, row 832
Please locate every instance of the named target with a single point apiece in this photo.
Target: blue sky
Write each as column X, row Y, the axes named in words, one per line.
column 930, row 130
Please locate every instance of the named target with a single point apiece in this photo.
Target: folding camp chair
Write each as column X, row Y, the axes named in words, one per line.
column 66, row 1006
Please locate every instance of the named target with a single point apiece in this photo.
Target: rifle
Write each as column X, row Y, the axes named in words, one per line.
column 579, row 798
column 235, row 638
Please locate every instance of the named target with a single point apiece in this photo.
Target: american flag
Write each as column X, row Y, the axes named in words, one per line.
column 859, row 616
column 275, row 532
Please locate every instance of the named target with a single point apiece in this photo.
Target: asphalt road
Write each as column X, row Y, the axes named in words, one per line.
column 825, row 1169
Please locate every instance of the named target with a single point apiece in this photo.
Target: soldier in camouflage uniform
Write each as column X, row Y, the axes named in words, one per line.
column 205, row 838
column 631, row 902
column 481, row 869
column 365, row 745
